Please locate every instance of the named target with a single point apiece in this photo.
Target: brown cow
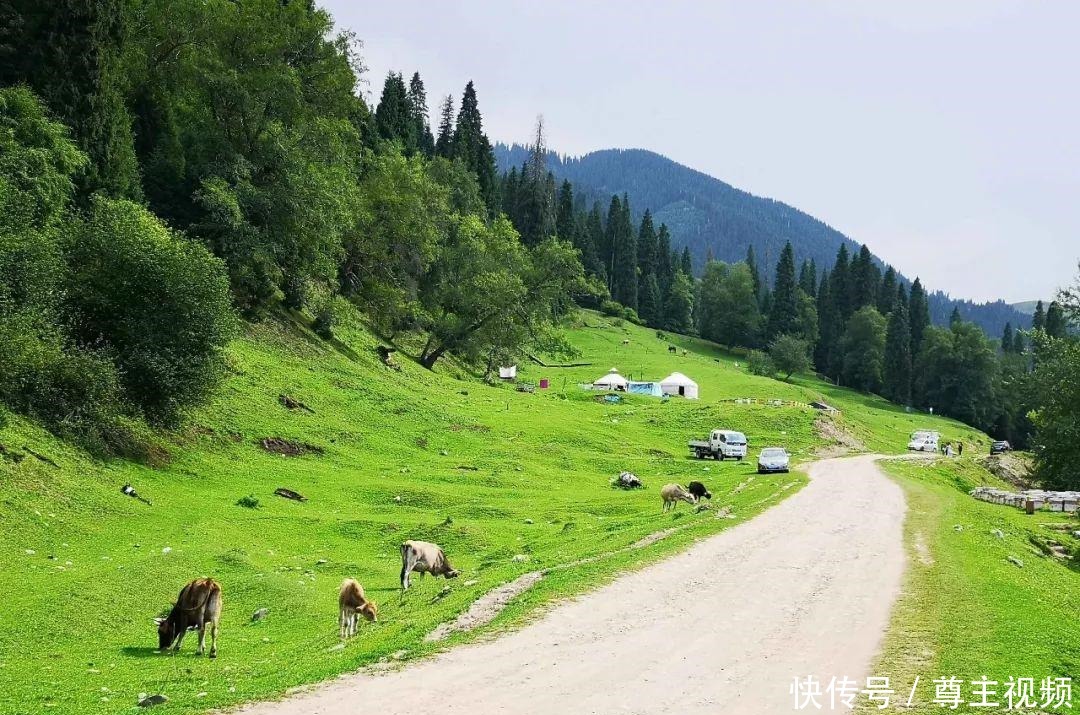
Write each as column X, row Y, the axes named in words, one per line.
column 198, row 604
column 351, row 601
column 424, row 557
column 672, row 494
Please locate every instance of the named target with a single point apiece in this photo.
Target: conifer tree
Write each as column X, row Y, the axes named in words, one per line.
column 647, row 242
column 1008, row 339
column 887, row 294
column 865, row 278
column 1055, row 321
column 840, row 286
column 1038, row 320
column 471, row 145
column 607, row 245
column 392, row 116
column 420, row 128
column 444, row 145
column 1018, row 342
column 897, row 367
column 665, row 269
column 808, row 277
column 827, row 321
column 751, row 262
column 918, row 315
column 649, row 301
column 955, row 318
column 624, row 279
column 536, row 194
column 783, row 311
column 564, row 212
column 686, row 264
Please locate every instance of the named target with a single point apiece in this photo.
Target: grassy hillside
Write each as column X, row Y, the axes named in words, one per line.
column 487, row 472
column 967, row 609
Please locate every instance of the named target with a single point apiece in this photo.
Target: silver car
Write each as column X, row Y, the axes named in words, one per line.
column 772, row 459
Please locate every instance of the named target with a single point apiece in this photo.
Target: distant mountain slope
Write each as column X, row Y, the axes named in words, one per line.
column 1027, row 307
column 714, row 218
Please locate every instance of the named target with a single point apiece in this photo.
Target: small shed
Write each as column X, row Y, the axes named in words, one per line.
column 508, row 373
column 678, row 384
column 652, row 389
column 611, row 381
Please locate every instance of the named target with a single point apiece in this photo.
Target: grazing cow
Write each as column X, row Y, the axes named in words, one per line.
column 672, row 349
column 424, row 557
column 351, row 601
column 698, row 490
column 198, row 605
column 672, row 494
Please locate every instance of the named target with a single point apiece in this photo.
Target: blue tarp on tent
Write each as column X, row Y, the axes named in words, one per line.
column 645, row 388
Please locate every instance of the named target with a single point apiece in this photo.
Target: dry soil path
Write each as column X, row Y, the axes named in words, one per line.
column 724, row 627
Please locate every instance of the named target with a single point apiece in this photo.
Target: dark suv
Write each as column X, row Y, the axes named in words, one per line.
column 1000, row 447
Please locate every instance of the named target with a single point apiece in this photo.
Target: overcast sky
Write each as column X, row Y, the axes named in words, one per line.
column 942, row 134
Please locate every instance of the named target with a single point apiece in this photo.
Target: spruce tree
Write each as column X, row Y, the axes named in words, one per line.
column 918, row 315
column 955, row 318
column 783, row 311
column 751, row 262
column 471, row 145
column 1018, row 342
column 420, row 128
column 806, row 279
column 1055, row 321
column 624, row 279
column 650, row 302
column 647, row 242
column 827, row 320
column 564, row 212
column 392, row 116
column 897, row 367
column 444, row 145
column 865, row 279
column 887, row 294
column 686, row 264
column 840, row 286
column 1008, row 339
column 536, row 195
column 665, row 269
column 1038, row 320
column 607, row 246
column 591, row 237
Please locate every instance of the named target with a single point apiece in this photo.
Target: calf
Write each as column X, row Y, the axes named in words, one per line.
column 198, row 604
column 698, row 490
column 672, row 494
column 424, row 557
column 351, row 601
column 672, row 349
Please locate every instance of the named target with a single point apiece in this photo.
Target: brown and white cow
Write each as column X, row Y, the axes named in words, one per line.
column 198, row 605
column 351, row 601
column 424, row 557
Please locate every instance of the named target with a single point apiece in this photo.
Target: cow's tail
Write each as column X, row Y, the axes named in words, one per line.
column 408, row 560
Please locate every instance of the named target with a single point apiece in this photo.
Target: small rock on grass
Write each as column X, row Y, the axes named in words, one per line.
column 998, row 533
column 260, row 614
column 1016, row 562
column 520, row 558
column 151, row 700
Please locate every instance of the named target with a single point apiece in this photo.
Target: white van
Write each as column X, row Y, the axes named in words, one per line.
column 924, row 441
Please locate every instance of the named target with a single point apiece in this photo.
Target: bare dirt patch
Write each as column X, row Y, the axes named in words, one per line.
column 841, row 441
column 484, row 609
column 922, row 551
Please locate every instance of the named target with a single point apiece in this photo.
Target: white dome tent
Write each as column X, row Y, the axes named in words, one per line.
column 611, row 381
column 678, row 384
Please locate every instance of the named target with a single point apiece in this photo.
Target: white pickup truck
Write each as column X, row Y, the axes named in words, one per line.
column 722, row 444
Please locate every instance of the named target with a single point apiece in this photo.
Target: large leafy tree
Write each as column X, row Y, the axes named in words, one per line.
column 487, row 292
column 790, row 354
column 727, row 310
column 864, row 349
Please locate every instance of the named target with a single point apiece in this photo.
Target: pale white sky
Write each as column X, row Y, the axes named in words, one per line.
column 942, row 134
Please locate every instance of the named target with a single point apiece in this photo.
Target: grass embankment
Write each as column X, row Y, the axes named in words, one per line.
column 967, row 610
column 84, row 569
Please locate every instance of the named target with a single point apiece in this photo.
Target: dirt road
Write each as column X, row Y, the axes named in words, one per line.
column 805, row 588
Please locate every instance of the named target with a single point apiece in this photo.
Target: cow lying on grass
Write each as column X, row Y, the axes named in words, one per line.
column 351, row 601
column 424, row 557
column 198, row 604
column 672, row 494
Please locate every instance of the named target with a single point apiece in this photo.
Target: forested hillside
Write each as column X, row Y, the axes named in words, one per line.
column 716, row 220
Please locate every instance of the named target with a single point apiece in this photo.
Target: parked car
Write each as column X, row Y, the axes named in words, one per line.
column 924, row 441
column 1000, row 447
column 722, row 444
column 773, row 459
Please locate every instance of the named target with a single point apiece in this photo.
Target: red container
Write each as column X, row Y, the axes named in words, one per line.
column 543, row 384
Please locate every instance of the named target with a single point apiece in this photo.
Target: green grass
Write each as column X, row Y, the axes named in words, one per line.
column 470, row 463
column 966, row 610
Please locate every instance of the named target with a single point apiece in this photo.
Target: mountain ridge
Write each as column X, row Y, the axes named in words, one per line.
column 716, row 219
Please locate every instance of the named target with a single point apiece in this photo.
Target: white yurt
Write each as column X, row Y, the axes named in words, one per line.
column 611, row 381
column 678, row 384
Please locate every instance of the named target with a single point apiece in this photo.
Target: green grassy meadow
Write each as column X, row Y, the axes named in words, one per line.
column 487, row 472
column 967, row 610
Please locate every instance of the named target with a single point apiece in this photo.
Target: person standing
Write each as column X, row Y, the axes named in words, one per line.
column 959, row 449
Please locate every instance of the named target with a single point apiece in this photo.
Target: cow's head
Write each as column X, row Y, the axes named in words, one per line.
column 167, row 632
column 370, row 611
